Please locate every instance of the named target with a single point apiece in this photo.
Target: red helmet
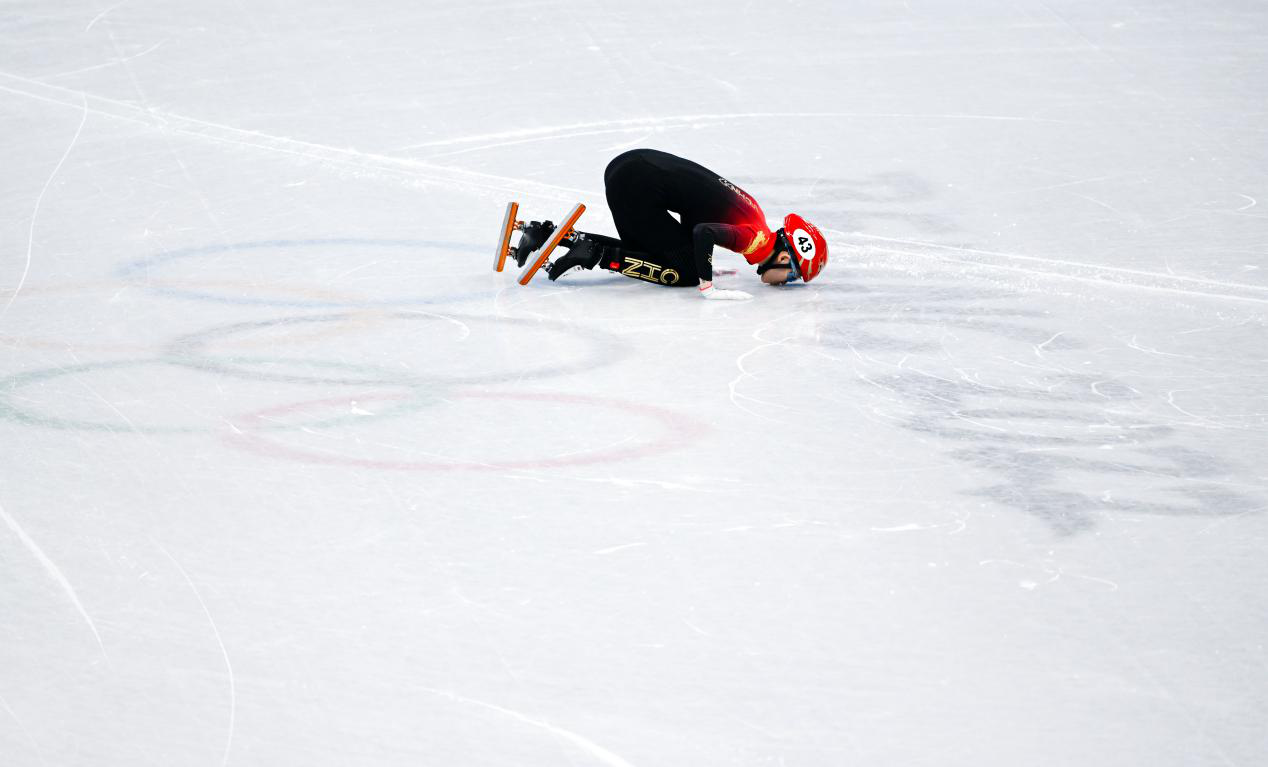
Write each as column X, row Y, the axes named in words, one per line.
column 806, row 247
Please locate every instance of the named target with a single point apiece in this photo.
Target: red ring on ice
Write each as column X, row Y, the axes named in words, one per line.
column 679, row 432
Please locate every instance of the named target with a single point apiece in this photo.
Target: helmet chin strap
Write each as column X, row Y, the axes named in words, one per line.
column 772, row 261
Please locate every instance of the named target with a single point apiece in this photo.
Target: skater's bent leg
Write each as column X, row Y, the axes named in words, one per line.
column 659, row 269
column 639, row 210
column 654, row 246
column 590, row 250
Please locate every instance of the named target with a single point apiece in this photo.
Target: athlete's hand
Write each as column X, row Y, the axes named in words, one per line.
column 715, row 294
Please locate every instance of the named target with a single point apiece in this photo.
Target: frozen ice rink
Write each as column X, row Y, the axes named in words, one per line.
column 290, row 476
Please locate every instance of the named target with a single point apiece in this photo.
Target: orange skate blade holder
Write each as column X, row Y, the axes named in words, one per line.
column 565, row 227
column 508, row 226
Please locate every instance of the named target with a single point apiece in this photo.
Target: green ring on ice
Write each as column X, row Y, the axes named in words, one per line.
column 422, row 397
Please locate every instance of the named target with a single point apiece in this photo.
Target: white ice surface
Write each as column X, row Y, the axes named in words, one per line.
column 289, row 476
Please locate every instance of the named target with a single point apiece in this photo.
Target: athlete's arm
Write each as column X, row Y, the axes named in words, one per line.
column 704, row 238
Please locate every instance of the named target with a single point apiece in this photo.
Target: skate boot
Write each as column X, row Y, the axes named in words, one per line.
column 532, row 237
column 560, row 234
column 538, row 239
column 583, row 253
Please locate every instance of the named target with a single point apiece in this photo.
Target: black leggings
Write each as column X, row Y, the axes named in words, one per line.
column 654, row 246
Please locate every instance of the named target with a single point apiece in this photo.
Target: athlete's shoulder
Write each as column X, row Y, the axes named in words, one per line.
column 750, row 211
column 759, row 243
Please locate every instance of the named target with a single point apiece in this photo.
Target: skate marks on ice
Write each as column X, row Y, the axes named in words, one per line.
column 846, row 208
column 1026, row 405
column 665, row 123
column 224, row 652
column 1036, row 266
column 346, row 159
column 55, row 573
column 39, row 200
column 26, row 732
column 586, row 745
column 859, row 203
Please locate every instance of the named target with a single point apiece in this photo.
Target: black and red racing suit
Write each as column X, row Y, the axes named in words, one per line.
column 644, row 186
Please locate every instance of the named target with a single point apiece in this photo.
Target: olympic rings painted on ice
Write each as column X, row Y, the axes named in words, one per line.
column 354, row 320
column 139, row 272
column 414, row 398
column 677, row 431
column 187, row 352
column 603, row 349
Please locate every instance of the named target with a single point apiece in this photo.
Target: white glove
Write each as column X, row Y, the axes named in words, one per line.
column 716, row 294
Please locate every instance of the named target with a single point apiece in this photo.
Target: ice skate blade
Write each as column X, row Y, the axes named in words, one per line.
column 508, row 226
column 562, row 231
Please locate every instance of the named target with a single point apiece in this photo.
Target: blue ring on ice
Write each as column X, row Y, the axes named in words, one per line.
column 601, row 349
column 129, row 271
